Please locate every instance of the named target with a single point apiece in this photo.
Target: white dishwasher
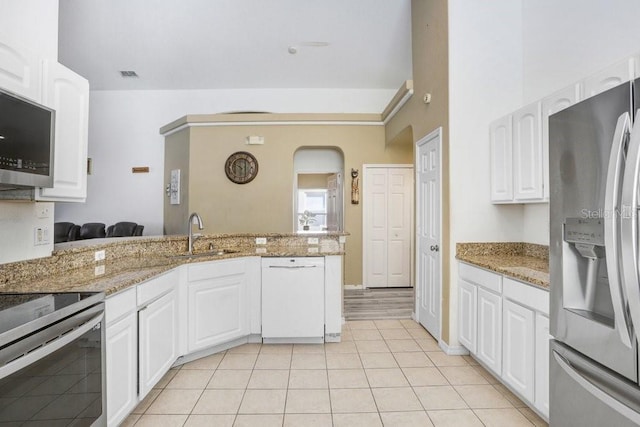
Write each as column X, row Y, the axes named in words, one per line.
column 293, row 300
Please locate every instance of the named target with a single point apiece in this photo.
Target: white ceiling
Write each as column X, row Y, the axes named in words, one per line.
column 229, row 44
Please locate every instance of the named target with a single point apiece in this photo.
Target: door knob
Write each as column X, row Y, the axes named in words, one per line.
column 434, row 248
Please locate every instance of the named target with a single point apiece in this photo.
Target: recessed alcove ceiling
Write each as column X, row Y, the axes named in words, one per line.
column 230, row 44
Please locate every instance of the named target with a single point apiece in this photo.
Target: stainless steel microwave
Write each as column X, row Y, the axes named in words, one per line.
column 27, row 139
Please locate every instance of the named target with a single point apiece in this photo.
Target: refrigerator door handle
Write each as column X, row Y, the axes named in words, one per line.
column 579, row 374
column 612, row 228
column 629, row 228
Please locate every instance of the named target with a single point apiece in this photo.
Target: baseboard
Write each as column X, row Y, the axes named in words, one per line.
column 353, row 287
column 456, row 350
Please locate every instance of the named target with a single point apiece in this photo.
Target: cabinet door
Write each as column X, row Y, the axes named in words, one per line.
column 158, row 327
column 610, row 77
column 550, row 105
column 527, row 154
column 68, row 94
column 518, row 348
column 489, row 345
column 20, row 71
column 122, row 370
column 500, row 139
column 467, row 315
column 542, row 364
column 217, row 311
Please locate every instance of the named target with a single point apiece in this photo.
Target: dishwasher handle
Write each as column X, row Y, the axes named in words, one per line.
column 292, row 267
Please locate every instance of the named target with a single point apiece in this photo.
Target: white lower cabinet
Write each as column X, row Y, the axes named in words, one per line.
column 218, row 303
column 467, row 322
column 542, row 363
column 158, row 340
column 121, row 356
column 518, row 349
column 489, row 345
column 504, row 323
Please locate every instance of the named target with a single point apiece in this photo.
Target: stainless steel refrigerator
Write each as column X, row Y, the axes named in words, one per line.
column 594, row 165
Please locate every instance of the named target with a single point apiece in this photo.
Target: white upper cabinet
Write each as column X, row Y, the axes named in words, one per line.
column 527, row 154
column 516, row 157
column 68, row 94
column 558, row 101
column 500, row 137
column 20, row 71
column 610, row 77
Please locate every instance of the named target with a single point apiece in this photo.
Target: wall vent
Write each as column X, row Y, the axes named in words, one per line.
column 128, row 73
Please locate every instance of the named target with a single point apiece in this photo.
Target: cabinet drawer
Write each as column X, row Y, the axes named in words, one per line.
column 527, row 295
column 479, row 276
column 156, row 287
column 212, row 269
column 119, row 305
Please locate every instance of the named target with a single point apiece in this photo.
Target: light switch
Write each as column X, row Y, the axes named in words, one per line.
column 174, row 187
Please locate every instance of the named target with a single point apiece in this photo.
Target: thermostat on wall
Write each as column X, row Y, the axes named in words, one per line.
column 255, row 140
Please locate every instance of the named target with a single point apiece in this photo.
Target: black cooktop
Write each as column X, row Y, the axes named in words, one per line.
column 22, row 314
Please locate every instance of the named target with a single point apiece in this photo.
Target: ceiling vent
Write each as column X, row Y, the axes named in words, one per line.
column 127, row 74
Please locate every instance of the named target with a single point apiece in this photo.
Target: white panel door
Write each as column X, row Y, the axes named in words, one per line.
column 500, row 140
column 527, row 153
column 387, row 212
column 518, row 348
column 428, row 273
column 399, row 227
column 376, row 200
column 489, row 344
column 68, row 94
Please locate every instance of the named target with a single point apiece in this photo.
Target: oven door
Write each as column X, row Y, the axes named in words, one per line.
column 56, row 375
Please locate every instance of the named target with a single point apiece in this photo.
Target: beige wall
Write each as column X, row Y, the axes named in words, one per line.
column 313, row 180
column 266, row 204
column 429, row 21
column 176, row 153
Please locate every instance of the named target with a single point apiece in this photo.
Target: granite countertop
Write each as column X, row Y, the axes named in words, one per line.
column 522, row 261
column 128, row 264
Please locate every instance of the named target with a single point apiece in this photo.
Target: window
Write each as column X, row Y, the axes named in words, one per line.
column 312, row 209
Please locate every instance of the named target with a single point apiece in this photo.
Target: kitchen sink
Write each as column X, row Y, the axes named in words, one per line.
column 206, row 254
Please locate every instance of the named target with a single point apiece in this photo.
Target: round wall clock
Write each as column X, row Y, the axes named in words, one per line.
column 241, row 167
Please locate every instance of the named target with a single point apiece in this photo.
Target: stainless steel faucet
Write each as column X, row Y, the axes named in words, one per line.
column 190, row 229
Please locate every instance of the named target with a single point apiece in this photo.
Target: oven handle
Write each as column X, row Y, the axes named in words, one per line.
column 46, row 335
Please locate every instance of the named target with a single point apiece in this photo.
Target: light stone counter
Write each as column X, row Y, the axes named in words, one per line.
column 522, row 261
column 130, row 261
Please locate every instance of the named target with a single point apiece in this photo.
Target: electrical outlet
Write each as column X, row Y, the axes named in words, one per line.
column 261, row 240
column 39, row 236
column 312, row 250
column 342, row 239
column 312, row 241
column 100, row 255
column 261, row 250
column 99, row 270
column 43, row 210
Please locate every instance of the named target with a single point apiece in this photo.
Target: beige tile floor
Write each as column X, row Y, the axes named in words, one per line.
column 384, row 372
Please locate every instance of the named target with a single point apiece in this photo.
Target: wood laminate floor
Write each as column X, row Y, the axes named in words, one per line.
column 378, row 303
